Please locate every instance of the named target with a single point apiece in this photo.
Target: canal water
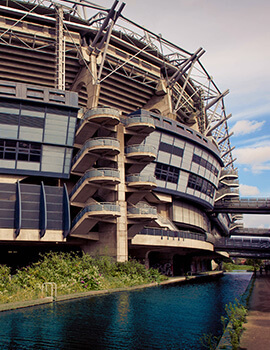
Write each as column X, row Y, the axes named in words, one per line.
column 165, row 317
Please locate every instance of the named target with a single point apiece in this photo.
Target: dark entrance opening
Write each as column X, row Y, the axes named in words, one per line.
column 181, row 265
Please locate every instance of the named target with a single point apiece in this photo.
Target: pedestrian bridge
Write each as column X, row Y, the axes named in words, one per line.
column 243, row 205
column 249, row 247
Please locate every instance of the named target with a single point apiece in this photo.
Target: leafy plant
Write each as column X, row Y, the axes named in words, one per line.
column 72, row 273
column 209, row 341
column 236, row 315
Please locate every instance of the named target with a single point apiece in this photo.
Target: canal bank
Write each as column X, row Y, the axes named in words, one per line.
column 51, row 299
column 256, row 335
column 172, row 316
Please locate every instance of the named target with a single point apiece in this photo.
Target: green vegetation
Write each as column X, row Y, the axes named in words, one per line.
column 73, row 274
column 236, row 316
column 209, row 341
column 229, row 267
column 232, row 323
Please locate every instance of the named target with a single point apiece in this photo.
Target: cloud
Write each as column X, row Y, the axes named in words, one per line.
column 258, row 141
column 259, row 108
column 246, row 190
column 256, row 221
column 243, row 127
column 256, row 158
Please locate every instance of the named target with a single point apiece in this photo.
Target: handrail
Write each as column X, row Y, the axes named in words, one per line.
column 173, row 234
column 102, row 206
column 142, row 210
column 140, row 178
column 244, row 202
column 139, row 119
column 97, row 141
column 100, row 172
column 140, row 148
column 99, row 111
column 247, row 242
column 225, row 172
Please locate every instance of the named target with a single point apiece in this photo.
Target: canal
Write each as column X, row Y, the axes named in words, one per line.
column 165, row 317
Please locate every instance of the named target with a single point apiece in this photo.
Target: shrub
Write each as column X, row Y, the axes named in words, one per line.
column 72, row 273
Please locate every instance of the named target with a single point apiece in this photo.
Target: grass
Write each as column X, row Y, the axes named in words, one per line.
column 72, row 273
column 232, row 267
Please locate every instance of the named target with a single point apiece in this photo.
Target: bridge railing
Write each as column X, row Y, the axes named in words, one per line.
column 173, row 234
column 245, row 202
column 243, row 243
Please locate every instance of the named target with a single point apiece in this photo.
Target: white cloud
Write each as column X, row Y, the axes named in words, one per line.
column 256, row 158
column 258, row 109
column 246, row 190
column 258, row 141
column 256, row 221
column 243, row 127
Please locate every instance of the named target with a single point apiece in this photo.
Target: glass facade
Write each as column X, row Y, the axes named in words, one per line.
column 184, row 163
column 37, row 138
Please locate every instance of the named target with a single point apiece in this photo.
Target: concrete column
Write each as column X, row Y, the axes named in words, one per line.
column 121, row 223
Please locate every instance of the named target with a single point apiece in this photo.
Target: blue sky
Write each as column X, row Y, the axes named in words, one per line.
column 236, row 36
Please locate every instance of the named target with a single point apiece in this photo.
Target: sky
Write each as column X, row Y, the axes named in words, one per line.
column 236, row 37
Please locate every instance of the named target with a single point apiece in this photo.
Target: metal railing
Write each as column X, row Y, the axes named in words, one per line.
column 97, row 141
column 97, row 207
column 98, row 112
column 244, row 243
column 139, row 119
column 146, row 210
column 230, row 182
column 100, row 172
column 173, row 234
column 229, row 173
column 252, row 231
column 141, row 178
column 49, row 286
column 245, row 203
column 140, row 149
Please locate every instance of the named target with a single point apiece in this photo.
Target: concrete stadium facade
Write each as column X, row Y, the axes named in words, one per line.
column 107, row 140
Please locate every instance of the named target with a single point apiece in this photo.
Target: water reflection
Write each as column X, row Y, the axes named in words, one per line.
column 172, row 317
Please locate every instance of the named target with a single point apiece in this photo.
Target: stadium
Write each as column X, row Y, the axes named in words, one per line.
column 113, row 140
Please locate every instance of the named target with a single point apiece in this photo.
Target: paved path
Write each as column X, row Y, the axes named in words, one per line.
column 256, row 335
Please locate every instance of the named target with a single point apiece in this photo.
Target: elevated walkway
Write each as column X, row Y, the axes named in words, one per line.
column 259, row 232
column 243, row 206
column 249, row 247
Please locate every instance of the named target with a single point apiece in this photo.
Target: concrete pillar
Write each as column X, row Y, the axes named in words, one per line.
column 121, row 222
column 106, row 245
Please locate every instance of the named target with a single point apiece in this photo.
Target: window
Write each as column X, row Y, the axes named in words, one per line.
column 167, row 173
column 201, row 185
column 24, row 151
column 165, row 147
column 204, row 163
